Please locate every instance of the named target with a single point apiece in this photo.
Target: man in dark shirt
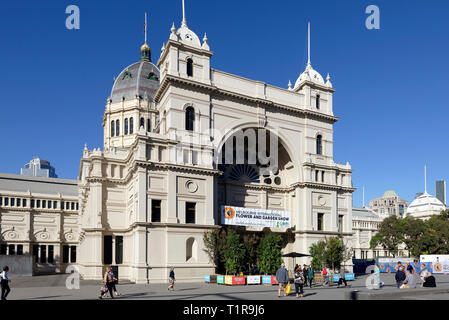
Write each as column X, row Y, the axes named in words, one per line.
column 429, row 281
column 400, row 277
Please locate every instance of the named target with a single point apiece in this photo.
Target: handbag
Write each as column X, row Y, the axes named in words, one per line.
column 288, row 289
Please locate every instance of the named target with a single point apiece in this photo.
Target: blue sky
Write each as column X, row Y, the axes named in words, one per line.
column 391, row 83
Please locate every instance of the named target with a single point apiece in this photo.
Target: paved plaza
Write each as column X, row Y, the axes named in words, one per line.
column 53, row 288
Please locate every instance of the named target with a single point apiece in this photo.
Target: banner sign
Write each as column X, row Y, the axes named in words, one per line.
column 220, row 279
column 348, row 277
column 207, row 279
column 436, row 263
column 266, row 279
column 253, row 280
column 391, row 265
column 248, row 217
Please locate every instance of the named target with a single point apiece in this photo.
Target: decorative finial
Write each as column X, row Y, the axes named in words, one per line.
column 173, row 28
column 328, row 81
column 289, row 85
column 205, row 45
column 163, row 47
column 85, row 147
column 173, row 35
column 145, row 51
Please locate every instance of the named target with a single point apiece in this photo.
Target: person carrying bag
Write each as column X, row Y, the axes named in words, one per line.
column 299, row 282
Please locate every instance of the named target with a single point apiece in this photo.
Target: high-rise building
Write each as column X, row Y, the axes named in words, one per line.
column 441, row 191
column 38, row 168
column 389, row 204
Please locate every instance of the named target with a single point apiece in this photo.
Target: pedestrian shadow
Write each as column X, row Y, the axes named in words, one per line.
column 48, row 297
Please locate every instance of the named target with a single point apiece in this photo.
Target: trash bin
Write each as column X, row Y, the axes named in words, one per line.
column 115, row 271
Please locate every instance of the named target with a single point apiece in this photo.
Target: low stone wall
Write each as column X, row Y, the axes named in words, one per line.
column 18, row 265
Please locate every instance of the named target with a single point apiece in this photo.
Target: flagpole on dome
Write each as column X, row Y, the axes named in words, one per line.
column 184, row 22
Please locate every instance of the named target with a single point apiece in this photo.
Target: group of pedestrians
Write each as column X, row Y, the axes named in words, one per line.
column 303, row 276
column 408, row 279
column 109, row 282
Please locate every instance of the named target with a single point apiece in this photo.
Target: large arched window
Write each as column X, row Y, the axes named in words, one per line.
column 117, row 128
column 191, row 250
column 126, row 126
column 131, row 125
column 112, row 128
column 319, row 144
column 190, row 118
column 190, row 67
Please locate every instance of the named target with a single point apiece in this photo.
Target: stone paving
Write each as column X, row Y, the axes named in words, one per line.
column 53, row 288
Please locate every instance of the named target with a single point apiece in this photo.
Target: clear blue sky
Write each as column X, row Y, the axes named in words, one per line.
column 391, row 83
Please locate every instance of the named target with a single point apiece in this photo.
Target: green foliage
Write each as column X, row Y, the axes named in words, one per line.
column 234, row 253
column 334, row 254
column 317, row 251
column 331, row 252
column 389, row 235
column 214, row 243
column 269, row 253
column 419, row 237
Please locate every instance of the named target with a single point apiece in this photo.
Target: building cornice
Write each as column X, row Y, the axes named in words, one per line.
column 170, row 79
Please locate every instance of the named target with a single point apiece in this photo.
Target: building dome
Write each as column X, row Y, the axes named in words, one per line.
column 139, row 79
column 309, row 74
column 425, row 206
column 390, row 194
column 187, row 36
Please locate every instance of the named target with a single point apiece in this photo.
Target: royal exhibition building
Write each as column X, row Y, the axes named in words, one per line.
column 188, row 149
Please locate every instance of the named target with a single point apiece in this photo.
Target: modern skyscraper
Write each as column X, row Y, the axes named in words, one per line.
column 38, row 168
column 441, row 191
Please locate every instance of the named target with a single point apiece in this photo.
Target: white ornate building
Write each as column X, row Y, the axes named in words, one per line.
column 147, row 197
column 158, row 185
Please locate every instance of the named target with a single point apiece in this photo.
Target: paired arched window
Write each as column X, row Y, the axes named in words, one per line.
column 318, row 101
column 142, row 123
column 112, row 128
column 190, row 118
column 131, row 125
column 319, row 144
column 148, row 125
column 126, row 126
column 117, row 128
column 190, row 67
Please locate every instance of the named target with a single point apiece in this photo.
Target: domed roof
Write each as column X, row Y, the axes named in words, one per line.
column 425, row 205
column 309, row 74
column 390, row 194
column 187, row 36
column 139, row 79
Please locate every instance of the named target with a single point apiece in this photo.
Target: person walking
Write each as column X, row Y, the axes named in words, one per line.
column 114, row 281
column 325, row 277
column 306, row 274
column 310, row 275
column 342, row 278
column 108, row 281
column 400, row 277
column 423, row 273
column 282, row 279
column 299, row 282
column 5, row 282
column 171, row 279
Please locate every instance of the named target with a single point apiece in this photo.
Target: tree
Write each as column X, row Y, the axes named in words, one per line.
column 413, row 231
column 269, row 253
column 436, row 240
column 234, row 253
column 215, row 242
column 317, row 251
column 334, row 254
column 389, row 235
